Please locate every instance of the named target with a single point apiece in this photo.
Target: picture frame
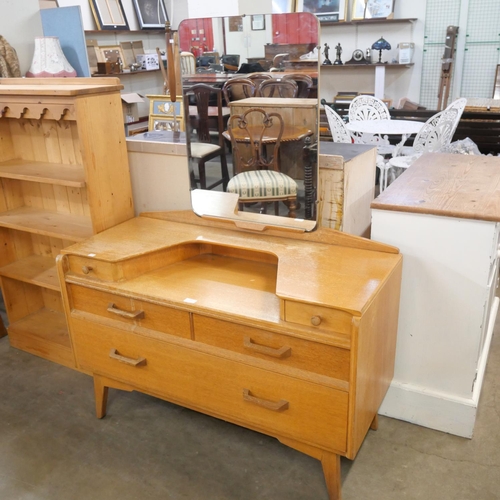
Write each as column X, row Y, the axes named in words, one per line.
column 111, row 53
column 109, row 14
column 496, row 84
column 325, row 10
column 283, row 6
column 258, row 22
column 235, row 23
column 94, row 54
column 358, row 10
column 379, row 9
column 151, row 14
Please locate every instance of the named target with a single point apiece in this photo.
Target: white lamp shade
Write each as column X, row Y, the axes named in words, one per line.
column 49, row 59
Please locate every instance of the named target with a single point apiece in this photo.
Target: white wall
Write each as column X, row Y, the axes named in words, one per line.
column 20, row 23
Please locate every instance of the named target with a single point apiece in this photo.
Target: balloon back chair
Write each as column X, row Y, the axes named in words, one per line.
column 303, row 81
column 278, row 88
column 238, row 88
column 204, row 149
column 256, row 137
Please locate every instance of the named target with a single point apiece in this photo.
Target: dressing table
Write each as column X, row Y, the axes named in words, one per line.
column 288, row 333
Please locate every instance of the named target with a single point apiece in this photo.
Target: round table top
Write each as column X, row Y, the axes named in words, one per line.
column 385, row 126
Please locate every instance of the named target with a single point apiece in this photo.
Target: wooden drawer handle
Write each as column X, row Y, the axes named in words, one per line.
column 125, row 314
column 316, row 320
column 113, row 354
column 282, row 352
column 280, row 405
column 86, row 269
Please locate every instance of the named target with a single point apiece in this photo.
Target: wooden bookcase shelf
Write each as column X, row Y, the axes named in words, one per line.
column 49, row 173
column 369, row 21
column 35, row 269
column 61, row 181
column 47, row 223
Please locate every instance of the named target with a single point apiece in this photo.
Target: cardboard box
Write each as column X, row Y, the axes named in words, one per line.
column 406, row 50
column 130, row 108
column 148, row 61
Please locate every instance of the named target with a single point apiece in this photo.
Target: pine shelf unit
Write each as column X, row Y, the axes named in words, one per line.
column 63, row 177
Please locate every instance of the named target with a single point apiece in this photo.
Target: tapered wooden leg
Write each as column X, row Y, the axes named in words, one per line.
column 101, row 396
column 374, row 424
column 331, row 471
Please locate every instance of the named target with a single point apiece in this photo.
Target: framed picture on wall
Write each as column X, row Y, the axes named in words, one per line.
column 283, row 6
column 358, row 10
column 258, row 22
column 109, row 14
column 150, row 13
column 325, row 10
column 379, row 9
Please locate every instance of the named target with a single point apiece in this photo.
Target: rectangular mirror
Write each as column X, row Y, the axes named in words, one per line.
column 251, row 117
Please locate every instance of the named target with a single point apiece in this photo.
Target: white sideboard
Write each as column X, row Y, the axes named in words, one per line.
column 444, row 216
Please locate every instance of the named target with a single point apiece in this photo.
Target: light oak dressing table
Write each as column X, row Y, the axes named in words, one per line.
column 289, row 334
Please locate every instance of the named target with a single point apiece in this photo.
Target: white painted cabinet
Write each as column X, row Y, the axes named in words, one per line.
column 443, row 214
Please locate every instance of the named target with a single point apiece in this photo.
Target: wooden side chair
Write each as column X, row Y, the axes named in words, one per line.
column 303, row 81
column 255, row 138
column 278, row 88
column 188, row 63
column 258, row 78
column 204, row 150
column 238, row 88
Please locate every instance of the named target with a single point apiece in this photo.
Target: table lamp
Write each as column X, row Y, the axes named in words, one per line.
column 380, row 45
column 49, row 59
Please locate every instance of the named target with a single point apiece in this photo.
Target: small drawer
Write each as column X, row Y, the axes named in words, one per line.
column 281, row 349
column 319, row 317
column 268, row 402
column 130, row 311
column 93, row 268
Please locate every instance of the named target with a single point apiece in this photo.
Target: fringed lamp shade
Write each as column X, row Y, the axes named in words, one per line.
column 49, row 60
column 380, row 45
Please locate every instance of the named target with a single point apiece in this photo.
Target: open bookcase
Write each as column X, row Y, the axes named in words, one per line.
column 63, row 177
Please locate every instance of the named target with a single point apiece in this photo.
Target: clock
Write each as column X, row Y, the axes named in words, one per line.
column 358, row 57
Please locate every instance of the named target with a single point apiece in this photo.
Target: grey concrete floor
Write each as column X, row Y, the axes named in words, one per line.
column 53, row 448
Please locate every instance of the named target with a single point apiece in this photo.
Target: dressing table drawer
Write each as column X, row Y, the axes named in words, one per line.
column 130, row 311
column 271, row 402
column 319, row 317
column 281, row 349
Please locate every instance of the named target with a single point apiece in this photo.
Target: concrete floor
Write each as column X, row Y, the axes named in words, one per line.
column 53, row 448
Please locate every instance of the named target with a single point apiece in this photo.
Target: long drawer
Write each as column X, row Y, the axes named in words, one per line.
column 273, row 403
column 283, row 349
column 130, row 311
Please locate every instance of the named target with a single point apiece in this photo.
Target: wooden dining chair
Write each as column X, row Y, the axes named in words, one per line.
column 258, row 78
column 203, row 149
column 238, row 88
column 303, row 81
column 256, row 138
column 278, row 87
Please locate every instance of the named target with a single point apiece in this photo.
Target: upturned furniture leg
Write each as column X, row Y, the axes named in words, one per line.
column 331, row 470
column 101, row 396
column 374, row 424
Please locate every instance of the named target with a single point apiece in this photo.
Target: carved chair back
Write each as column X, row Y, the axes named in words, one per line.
column 238, row 88
column 278, row 88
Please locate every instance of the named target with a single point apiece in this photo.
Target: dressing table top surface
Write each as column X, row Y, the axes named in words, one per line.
column 311, row 272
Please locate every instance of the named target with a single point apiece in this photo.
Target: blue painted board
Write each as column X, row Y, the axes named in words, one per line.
column 66, row 23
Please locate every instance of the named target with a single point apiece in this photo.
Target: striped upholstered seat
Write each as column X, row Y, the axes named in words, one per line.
column 260, row 185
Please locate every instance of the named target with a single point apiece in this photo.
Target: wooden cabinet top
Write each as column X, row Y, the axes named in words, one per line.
column 67, row 87
column 316, row 272
column 451, row 185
